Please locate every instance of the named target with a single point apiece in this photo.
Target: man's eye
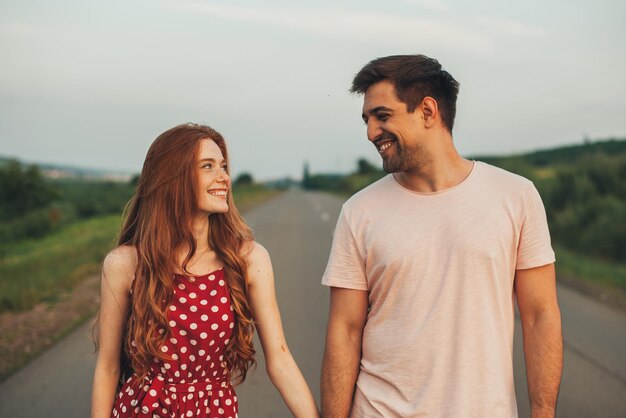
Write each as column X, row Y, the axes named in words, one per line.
column 382, row 117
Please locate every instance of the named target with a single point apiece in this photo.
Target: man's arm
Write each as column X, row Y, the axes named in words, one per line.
column 344, row 335
column 543, row 341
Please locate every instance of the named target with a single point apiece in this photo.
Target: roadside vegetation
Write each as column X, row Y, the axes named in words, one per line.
column 583, row 188
column 53, row 237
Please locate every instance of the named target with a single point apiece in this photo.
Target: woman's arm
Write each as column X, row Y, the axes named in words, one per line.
column 118, row 271
column 281, row 367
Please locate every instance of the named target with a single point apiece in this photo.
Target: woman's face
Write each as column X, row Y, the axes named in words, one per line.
column 213, row 180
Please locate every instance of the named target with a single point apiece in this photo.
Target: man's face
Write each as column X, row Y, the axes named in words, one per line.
column 394, row 132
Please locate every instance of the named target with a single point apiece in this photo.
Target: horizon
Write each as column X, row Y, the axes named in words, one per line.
column 378, row 164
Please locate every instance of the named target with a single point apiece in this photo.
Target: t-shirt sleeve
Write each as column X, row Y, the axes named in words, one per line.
column 534, row 249
column 346, row 267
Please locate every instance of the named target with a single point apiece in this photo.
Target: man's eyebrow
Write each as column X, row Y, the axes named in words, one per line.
column 375, row 111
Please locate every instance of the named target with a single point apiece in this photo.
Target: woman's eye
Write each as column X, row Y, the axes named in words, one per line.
column 207, row 166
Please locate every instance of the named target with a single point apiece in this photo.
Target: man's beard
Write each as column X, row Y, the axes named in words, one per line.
column 404, row 158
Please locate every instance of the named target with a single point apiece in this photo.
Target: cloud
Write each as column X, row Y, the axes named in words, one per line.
column 365, row 27
column 434, row 5
column 16, row 29
column 509, row 27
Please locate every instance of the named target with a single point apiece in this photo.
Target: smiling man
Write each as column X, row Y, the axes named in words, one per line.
column 426, row 264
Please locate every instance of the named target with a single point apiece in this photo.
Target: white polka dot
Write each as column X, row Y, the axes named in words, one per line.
column 144, row 409
column 183, row 349
column 193, row 325
column 167, row 366
column 224, row 317
column 223, row 299
column 221, row 411
column 204, row 317
column 172, row 324
column 213, row 292
column 203, row 336
column 191, row 389
column 183, row 316
column 221, row 282
column 182, row 300
column 123, row 408
column 189, row 413
column 202, row 352
column 213, row 327
column 193, row 308
column 222, row 334
column 172, row 308
column 192, row 357
column 231, row 325
column 226, row 341
column 183, row 332
column 214, row 308
column 203, row 302
column 216, row 402
column 192, row 295
column 212, row 277
column 193, row 342
column 153, row 392
column 202, row 286
column 181, row 286
column 164, row 349
column 133, row 402
column 175, row 356
column 183, row 367
column 212, row 342
column 173, row 340
column 228, row 402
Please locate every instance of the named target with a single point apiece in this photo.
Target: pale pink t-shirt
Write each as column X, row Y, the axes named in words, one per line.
column 439, row 271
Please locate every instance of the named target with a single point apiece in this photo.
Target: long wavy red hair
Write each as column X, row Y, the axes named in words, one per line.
column 158, row 224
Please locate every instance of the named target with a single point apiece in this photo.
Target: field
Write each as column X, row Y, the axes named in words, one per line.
column 49, row 285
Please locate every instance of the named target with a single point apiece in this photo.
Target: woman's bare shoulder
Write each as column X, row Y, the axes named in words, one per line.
column 255, row 253
column 120, row 264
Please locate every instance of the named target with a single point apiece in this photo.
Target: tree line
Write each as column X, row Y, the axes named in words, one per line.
column 583, row 188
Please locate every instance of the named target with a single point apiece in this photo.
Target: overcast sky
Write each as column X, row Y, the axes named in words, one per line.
column 92, row 83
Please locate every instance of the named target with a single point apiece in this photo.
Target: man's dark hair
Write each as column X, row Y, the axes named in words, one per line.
column 414, row 77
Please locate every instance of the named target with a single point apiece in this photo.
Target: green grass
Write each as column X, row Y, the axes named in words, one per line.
column 40, row 270
column 607, row 274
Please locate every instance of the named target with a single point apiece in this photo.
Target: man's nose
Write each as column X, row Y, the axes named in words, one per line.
column 373, row 130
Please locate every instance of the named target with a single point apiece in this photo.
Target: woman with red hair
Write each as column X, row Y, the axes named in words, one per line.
column 183, row 291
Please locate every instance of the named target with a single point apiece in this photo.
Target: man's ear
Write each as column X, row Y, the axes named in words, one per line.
column 430, row 111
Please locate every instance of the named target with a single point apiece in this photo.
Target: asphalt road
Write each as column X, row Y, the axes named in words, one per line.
column 296, row 228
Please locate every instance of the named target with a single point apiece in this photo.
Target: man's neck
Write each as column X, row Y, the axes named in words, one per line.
column 442, row 169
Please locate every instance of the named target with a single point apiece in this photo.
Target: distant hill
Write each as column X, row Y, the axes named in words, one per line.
column 60, row 172
column 569, row 154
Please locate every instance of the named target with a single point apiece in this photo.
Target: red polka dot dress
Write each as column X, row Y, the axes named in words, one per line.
column 196, row 381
